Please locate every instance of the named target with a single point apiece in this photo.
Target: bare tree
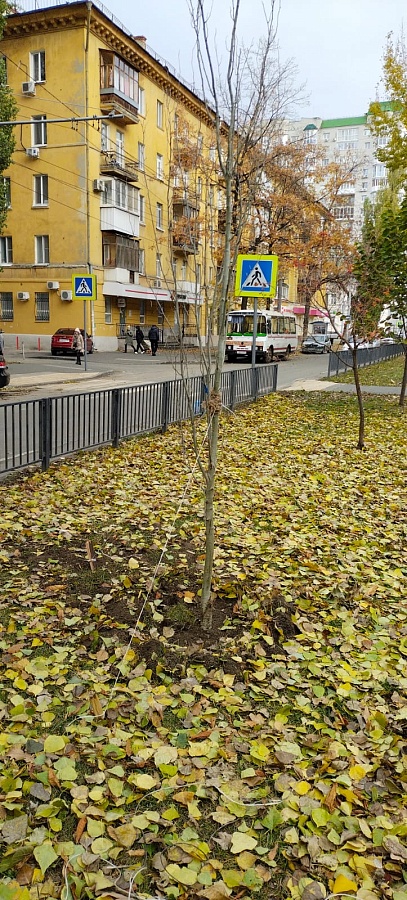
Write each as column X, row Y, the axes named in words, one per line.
column 248, row 104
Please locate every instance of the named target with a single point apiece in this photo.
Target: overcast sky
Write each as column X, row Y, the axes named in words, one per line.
column 337, row 45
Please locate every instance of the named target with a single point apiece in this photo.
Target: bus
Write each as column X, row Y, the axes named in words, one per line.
column 276, row 335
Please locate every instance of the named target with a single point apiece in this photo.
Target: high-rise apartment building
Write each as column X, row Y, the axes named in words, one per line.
column 112, row 174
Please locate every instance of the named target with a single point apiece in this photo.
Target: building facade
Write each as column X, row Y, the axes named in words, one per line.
column 113, row 173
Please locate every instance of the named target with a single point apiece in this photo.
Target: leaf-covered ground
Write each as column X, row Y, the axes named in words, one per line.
column 388, row 374
column 266, row 760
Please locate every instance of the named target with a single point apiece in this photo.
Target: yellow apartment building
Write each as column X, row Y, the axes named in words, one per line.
column 113, row 174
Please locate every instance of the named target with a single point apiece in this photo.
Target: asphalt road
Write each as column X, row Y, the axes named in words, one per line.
column 41, row 374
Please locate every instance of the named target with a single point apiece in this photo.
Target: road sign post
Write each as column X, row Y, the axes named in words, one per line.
column 84, row 288
column 256, row 276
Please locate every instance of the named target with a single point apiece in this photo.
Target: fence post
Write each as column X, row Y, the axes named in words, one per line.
column 165, row 405
column 116, row 407
column 232, row 388
column 45, row 432
column 255, row 382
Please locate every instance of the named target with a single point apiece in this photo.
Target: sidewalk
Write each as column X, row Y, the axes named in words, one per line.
column 314, row 385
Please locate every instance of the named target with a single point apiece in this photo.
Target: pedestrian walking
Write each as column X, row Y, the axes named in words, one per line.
column 128, row 341
column 153, row 336
column 1, row 342
column 139, row 340
column 78, row 345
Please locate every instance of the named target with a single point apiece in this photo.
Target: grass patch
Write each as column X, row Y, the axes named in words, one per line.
column 384, row 374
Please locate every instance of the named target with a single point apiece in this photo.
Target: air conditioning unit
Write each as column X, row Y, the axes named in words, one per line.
column 98, row 185
column 66, row 295
column 157, row 282
column 28, row 88
column 33, row 152
column 52, row 285
column 23, row 295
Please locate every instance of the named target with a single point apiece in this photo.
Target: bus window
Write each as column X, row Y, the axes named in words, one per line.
column 274, row 325
column 261, row 325
column 293, row 329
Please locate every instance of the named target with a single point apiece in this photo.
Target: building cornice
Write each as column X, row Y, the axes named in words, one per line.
column 75, row 15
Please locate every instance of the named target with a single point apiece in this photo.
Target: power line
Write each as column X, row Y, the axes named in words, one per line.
column 72, row 120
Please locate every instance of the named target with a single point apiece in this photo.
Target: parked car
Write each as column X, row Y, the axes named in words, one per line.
column 316, row 343
column 4, row 372
column 62, row 342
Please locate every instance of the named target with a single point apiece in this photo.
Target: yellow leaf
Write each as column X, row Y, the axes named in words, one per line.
column 181, row 874
column 54, row 743
column 241, row 841
column 357, row 772
column 145, row 782
column 302, row 787
column 133, row 564
column 343, row 884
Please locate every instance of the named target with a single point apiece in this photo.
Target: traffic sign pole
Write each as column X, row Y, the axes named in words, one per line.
column 85, row 338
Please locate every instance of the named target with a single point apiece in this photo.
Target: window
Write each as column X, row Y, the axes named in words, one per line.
column 141, row 156
column 116, row 74
column 141, row 261
column 158, row 269
column 142, row 314
column 40, row 190
column 6, row 306
column 199, row 144
column 367, row 145
column 159, row 216
column 142, row 208
column 41, row 249
column 6, row 251
column 7, row 191
column 160, row 166
column 41, row 306
column 37, row 66
column 119, row 193
column 183, row 270
column 382, row 140
column 108, row 310
column 104, row 137
column 199, row 187
column 198, row 273
column 160, row 114
column 141, row 101
column 212, row 154
column 120, row 148
column 39, row 131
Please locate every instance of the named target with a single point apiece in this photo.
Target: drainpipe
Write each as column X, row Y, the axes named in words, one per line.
column 92, row 310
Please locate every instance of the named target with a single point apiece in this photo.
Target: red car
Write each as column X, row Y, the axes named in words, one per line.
column 62, row 342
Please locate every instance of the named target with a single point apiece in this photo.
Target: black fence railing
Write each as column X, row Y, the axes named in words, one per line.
column 343, row 361
column 35, row 432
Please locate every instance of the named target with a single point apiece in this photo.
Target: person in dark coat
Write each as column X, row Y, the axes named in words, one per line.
column 140, row 340
column 153, row 336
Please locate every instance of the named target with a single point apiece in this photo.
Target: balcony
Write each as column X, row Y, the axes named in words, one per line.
column 112, row 103
column 185, row 198
column 112, row 218
column 121, row 166
column 184, row 241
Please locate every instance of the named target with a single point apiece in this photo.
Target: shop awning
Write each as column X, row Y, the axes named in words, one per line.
column 300, row 310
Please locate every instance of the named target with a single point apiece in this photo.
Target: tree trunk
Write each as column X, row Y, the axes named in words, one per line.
column 307, row 307
column 206, row 596
column 361, row 440
column 404, row 380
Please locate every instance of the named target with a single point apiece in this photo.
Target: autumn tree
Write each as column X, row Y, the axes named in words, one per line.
column 394, row 259
column 8, row 112
column 389, row 119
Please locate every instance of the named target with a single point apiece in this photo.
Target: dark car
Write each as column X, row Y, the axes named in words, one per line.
column 4, row 372
column 316, row 343
column 62, row 341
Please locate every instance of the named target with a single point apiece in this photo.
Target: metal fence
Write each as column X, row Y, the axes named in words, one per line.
column 35, row 432
column 368, row 356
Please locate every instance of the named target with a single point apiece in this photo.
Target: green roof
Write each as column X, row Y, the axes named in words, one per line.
column 342, row 123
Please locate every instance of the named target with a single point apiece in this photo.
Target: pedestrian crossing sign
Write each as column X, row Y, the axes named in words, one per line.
column 256, row 276
column 84, row 287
